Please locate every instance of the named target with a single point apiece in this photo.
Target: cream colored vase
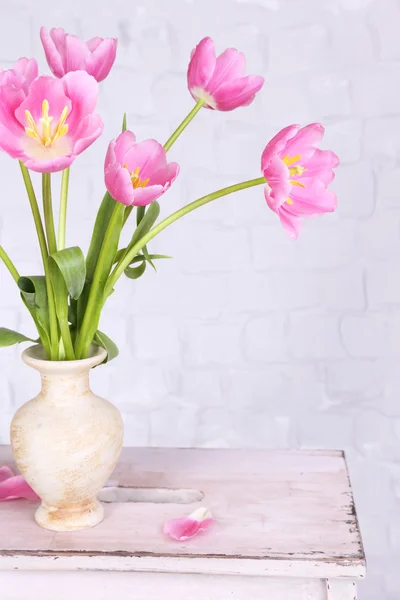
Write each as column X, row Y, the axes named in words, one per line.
column 66, row 441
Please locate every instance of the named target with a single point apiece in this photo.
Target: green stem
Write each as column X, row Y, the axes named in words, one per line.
column 129, row 256
column 15, row 275
column 84, row 339
column 62, row 221
column 67, row 340
column 9, row 264
column 45, row 257
column 48, row 213
column 183, row 125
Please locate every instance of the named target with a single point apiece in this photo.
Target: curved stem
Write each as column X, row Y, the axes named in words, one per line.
column 45, row 257
column 48, row 213
column 9, row 264
column 62, row 220
column 183, row 125
column 129, row 256
column 84, row 339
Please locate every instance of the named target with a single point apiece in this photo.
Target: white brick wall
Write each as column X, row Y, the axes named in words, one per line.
column 246, row 338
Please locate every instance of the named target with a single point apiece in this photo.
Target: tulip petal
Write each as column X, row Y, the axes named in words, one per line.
column 51, row 165
column 118, row 183
column 90, row 128
column 14, row 486
column 312, row 199
column 146, row 195
column 320, row 165
column 148, row 155
column 278, row 143
column 29, row 69
column 188, row 527
column 230, row 65
column 54, row 49
column 5, row 473
column 48, row 88
column 10, row 99
column 239, row 92
column 94, row 43
column 305, row 141
column 202, row 64
column 102, row 59
column 82, row 89
column 278, row 185
column 126, row 140
column 166, row 175
column 11, row 143
column 291, row 223
column 76, row 53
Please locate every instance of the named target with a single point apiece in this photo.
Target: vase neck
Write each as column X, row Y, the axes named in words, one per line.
column 68, row 385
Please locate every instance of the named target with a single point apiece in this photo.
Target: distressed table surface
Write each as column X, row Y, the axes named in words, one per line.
column 284, row 518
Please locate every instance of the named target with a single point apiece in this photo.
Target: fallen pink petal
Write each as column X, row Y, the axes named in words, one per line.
column 13, row 486
column 188, row 527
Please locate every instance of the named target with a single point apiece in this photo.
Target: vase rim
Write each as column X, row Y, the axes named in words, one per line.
column 35, row 357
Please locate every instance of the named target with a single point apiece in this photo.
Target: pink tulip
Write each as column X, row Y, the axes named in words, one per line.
column 297, row 175
column 21, row 75
column 137, row 173
column 48, row 125
column 187, row 527
column 14, row 486
column 220, row 82
column 65, row 52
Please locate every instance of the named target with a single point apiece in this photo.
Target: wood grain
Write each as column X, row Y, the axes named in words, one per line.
column 277, row 513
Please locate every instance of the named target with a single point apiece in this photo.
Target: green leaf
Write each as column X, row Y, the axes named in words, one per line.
column 140, row 258
column 135, row 272
column 100, row 227
column 60, row 290
column 146, row 222
column 71, row 264
column 34, row 295
column 8, row 337
column 124, row 123
column 101, row 339
column 72, row 312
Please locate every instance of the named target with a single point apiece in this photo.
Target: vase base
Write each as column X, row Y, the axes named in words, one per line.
column 63, row 519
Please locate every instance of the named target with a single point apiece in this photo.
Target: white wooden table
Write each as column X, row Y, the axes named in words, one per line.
column 286, row 529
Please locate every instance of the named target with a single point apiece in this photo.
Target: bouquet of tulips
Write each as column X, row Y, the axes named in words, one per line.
column 46, row 122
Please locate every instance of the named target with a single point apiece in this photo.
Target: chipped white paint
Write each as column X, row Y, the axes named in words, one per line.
column 66, row 442
column 285, row 524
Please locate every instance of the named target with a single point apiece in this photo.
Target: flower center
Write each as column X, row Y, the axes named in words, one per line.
column 294, row 171
column 136, row 181
column 44, row 132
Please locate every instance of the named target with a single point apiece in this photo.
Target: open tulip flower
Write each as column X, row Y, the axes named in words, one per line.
column 297, row 175
column 47, row 127
column 220, row 83
column 137, row 173
column 46, row 122
column 66, row 52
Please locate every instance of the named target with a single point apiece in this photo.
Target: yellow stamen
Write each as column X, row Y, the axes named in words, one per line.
column 290, row 160
column 294, row 171
column 297, row 170
column 295, row 182
column 136, row 181
column 46, row 137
